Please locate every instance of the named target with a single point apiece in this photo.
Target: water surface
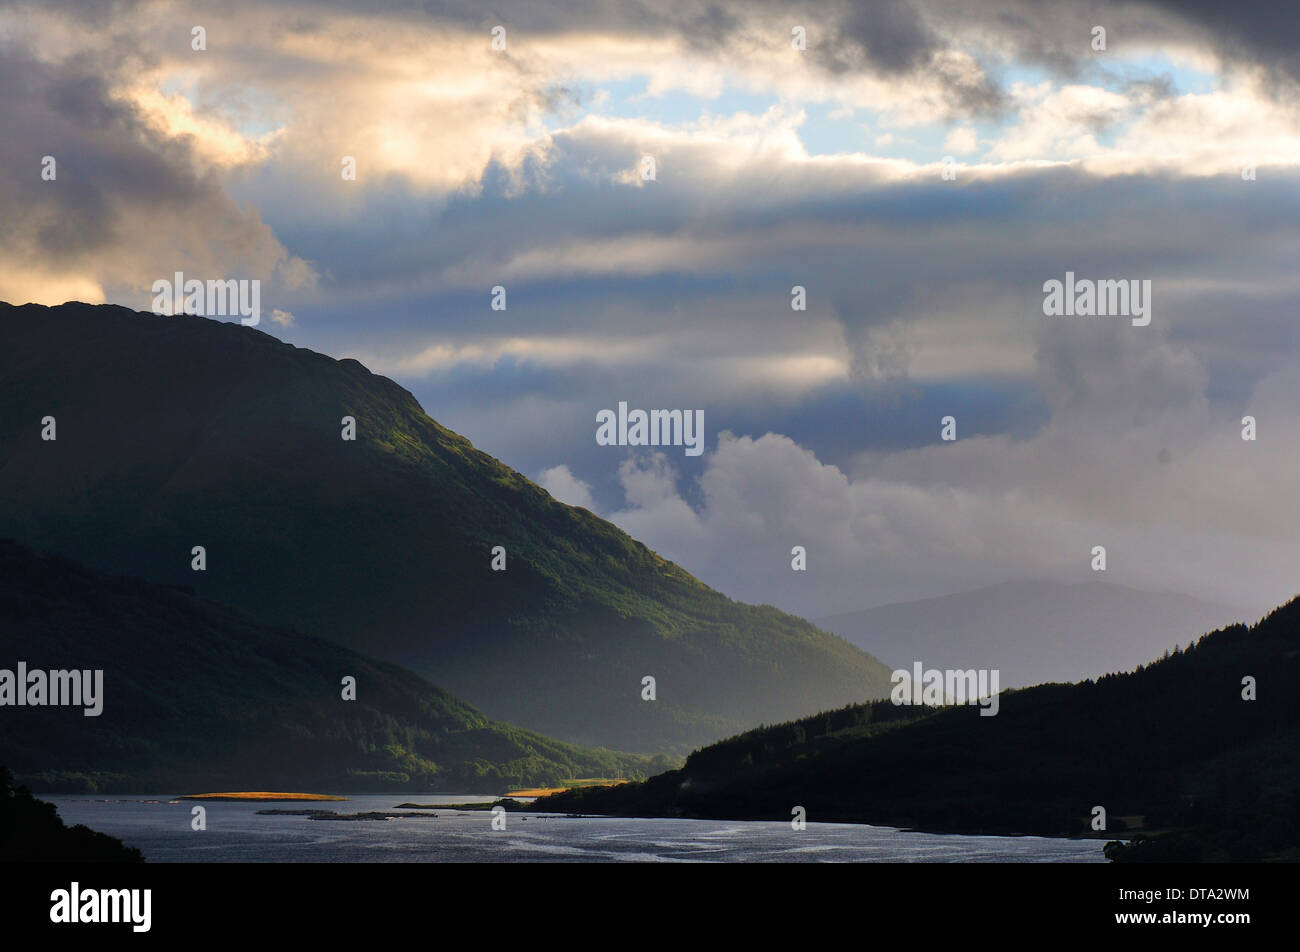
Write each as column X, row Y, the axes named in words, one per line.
column 236, row 833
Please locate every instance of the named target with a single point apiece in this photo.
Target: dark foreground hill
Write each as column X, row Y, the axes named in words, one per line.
column 198, row 696
column 1173, row 743
column 175, row 432
column 31, row 831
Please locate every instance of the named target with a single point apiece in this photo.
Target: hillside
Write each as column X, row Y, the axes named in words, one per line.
column 180, row 431
column 199, row 696
column 1033, row 631
column 1172, row 742
column 32, row 832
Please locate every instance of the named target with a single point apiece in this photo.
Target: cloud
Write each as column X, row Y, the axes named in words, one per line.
column 567, row 488
column 961, row 141
column 102, row 222
column 521, row 168
column 920, row 525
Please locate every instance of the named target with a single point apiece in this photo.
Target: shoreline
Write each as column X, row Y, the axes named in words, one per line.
column 521, row 806
column 261, row 796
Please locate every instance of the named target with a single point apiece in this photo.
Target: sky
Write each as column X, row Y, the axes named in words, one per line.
column 920, row 168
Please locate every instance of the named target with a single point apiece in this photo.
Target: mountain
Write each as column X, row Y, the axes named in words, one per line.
column 1172, row 746
column 199, row 696
column 1032, row 632
column 176, row 432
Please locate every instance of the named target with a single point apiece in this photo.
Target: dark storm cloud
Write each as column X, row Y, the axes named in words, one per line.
column 900, row 37
column 903, row 39
column 677, row 293
column 65, row 111
column 1266, row 33
column 871, row 256
column 1057, row 35
column 121, row 191
column 104, row 154
column 887, row 37
column 890, row 34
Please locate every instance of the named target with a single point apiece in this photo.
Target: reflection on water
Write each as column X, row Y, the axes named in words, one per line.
column 235, row 833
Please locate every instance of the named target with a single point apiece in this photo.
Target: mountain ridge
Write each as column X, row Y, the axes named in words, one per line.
column 180, row 431
column 1176, row 746
column 199, row 694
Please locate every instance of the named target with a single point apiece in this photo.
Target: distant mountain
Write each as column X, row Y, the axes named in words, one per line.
column 1032, row 632
column 175, row 432
column 1172, row 747
column 200, row 696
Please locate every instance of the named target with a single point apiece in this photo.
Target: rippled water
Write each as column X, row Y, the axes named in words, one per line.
column 235, row 833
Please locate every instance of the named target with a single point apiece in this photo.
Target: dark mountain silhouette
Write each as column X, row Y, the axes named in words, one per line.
column 175, row 432
column 1032, row 632
column 198, row 696
column 31, row 832
column 1173, row 743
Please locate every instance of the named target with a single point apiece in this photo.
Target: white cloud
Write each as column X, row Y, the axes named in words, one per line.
column 961, row 141
column 476, row 168
column 1133, row 459
column 566, row 487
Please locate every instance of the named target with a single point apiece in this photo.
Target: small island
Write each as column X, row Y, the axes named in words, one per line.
column 333, row 815
column 260, row 795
